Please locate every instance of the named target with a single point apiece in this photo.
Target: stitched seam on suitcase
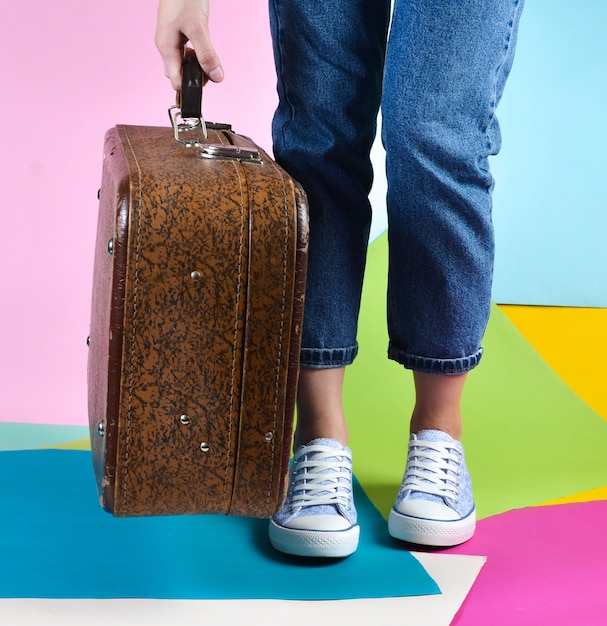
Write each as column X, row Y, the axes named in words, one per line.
column 282, row 329
column 234, row 345
column 134, row 323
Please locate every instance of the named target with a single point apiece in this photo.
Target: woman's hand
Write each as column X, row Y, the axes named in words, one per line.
column 178, row 22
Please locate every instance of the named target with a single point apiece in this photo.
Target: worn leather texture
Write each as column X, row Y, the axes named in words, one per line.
column 195, row 327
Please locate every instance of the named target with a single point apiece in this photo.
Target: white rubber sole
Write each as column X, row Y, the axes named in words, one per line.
column 314, row 543
column 430, row 532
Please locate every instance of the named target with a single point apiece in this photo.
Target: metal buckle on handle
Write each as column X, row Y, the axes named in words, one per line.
column 182, row 126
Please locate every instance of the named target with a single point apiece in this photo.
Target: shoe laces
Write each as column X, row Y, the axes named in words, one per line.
column 433, row 468
column 321, row 476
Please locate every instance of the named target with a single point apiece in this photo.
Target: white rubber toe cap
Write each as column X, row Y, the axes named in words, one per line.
column 426, row 509
column 318, row 522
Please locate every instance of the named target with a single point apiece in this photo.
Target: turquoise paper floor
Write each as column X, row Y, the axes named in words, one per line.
column 56, row 542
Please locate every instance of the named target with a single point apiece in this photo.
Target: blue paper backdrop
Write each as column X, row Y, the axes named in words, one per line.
column 550, row 217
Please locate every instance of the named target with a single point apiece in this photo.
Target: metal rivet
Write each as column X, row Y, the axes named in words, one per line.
column 185, row 419
column 269, row 436
column 88, row 340
column 204, row 446
column 101, row 429
column 195, row 275
column 110, row 246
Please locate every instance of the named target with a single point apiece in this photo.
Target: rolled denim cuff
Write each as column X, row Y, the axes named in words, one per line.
column 428, row 365
column 327, row 358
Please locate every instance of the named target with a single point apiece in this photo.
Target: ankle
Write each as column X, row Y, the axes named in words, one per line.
column 320, row 413
column 437, row 403
column 304, row 433
column 450, row 424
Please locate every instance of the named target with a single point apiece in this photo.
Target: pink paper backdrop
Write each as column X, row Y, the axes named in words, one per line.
column 70, row 71
column 73, row 69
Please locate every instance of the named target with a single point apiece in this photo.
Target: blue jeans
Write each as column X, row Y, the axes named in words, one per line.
column 438, row 74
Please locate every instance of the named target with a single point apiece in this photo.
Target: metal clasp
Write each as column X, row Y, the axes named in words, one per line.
column 182, row 126
column 230, row 152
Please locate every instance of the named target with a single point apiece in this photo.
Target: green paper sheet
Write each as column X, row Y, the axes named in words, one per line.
column 520, row 419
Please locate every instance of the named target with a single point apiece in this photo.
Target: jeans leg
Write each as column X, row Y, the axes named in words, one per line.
column 329, row 58
column 446, row 66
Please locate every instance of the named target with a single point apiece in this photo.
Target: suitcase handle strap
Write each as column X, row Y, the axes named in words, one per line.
column 189, row 97
column 186, row 115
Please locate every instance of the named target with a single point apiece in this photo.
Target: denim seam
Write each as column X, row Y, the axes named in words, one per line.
column 328, row 357
column 431, row 365
column 279, row 61
column 498, row 69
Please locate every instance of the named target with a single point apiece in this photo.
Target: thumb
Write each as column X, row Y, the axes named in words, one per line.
column 207, row 57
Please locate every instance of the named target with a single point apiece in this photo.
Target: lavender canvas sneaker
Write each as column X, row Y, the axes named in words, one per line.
column 434, row 506
column 318, row 517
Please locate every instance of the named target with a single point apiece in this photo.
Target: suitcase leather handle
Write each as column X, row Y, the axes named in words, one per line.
column 189, row 98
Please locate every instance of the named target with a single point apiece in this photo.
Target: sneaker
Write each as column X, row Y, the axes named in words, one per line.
column 434, row 506
column 318, row 517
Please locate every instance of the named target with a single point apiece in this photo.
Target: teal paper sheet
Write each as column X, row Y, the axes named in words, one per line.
column 18, row 436
column 56, row 542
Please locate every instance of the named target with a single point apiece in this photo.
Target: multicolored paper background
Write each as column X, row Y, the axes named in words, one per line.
column 535, row 411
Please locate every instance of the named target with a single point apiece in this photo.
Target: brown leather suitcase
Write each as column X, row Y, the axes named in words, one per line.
column 195, row 330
